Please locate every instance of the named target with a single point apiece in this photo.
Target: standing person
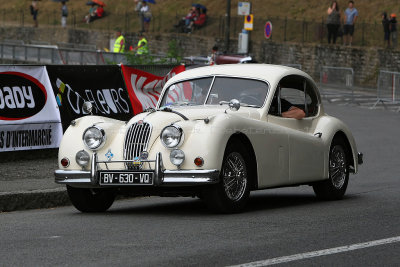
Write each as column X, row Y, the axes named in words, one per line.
column 146, row 13
column 34, row 11
column 142, row 47
column 333, row 22
column 213, row 58
column 393, row 30
column 64, row 14
column 119, row 45
column 350, row 16
column 138, row 7
column 386, row 30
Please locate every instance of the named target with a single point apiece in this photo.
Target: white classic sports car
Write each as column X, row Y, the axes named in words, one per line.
column 218, row 133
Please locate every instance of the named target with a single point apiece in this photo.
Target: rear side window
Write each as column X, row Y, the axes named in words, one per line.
column 295, row 90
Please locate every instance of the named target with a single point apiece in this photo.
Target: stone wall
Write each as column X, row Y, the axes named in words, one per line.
column 366, row 62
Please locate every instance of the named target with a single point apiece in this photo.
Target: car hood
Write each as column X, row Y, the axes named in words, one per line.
column 193, row 113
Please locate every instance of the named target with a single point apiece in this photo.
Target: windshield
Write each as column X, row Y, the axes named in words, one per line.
column 205, row 91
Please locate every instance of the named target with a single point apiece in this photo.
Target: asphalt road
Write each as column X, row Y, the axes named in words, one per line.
column 288, row 224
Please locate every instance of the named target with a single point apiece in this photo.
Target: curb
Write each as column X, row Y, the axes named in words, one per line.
column 37, row 199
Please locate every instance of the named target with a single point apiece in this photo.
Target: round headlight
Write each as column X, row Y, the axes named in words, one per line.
column 171, row 136
column 177, row 157
column 82, row 158
column 94, row 137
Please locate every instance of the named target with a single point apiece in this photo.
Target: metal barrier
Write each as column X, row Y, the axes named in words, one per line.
column 338, row 77
column 387, row 87
column 52, row 54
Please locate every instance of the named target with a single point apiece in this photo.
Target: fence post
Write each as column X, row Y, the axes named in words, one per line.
column 284, row 30
column 322, row 30
column 74, row 20
column 363, row 31
column 22, row 18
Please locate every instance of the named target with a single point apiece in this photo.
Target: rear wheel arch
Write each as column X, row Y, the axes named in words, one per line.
column 251, row 159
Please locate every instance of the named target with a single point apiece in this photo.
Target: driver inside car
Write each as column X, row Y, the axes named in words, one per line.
column 287, row 109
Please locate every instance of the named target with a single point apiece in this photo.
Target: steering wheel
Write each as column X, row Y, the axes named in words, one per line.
column 249, row 99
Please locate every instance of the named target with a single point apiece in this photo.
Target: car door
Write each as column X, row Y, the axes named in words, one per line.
column 306, row 149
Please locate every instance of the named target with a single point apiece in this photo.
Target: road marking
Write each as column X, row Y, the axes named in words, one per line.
column 319, row 253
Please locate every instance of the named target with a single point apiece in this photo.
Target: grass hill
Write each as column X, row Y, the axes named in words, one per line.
column 370, row 10
column 305, row 18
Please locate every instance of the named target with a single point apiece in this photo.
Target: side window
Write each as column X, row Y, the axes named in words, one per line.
column 294, row 90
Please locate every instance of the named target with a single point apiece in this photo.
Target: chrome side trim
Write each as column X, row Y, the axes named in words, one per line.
column 191, row 177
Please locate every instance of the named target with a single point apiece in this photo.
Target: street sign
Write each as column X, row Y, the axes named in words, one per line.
column 248, row 22
column 268, row 30
column 244, row 8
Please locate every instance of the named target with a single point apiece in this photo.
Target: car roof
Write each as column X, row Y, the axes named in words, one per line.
column 270, row 73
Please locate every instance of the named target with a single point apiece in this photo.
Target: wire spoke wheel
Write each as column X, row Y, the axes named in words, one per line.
column 335, row 187
column 234, row 176
column 231, row 193
column 337, row 166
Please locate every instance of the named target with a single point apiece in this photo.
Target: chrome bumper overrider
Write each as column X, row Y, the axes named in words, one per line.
column 162, row 177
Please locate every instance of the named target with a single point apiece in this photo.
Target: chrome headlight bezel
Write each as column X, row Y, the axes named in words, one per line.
column 177, row 133
column 101, row 137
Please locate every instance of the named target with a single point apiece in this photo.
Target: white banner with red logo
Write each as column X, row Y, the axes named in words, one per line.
column 29, row 115
column 144, row 88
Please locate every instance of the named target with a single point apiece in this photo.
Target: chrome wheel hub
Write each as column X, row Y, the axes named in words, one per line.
column 234, row 176
column 337, row 167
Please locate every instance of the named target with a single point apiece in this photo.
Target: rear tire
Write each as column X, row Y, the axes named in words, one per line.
column 91, row 200
column 230, row 195
column 335, row 187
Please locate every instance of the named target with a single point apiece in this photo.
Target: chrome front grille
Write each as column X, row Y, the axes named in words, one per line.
column 136, row 141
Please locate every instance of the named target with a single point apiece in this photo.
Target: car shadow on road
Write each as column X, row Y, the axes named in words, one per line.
column 187, row 206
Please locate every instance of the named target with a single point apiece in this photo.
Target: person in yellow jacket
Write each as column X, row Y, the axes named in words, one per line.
column 119, row 45
column 142, row 48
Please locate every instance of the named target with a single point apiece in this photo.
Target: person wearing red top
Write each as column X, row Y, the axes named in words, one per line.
column 199, row 20
column 99, row 12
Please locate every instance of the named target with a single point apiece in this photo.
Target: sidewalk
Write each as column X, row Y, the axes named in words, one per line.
column 27, row 181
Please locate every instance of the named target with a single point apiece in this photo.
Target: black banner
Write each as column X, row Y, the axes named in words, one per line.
column 101, row 85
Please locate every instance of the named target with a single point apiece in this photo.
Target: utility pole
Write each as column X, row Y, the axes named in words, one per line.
column 227, row 24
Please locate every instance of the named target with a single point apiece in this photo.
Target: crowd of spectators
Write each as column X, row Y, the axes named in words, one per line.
column 96, row 11
column 195, row 19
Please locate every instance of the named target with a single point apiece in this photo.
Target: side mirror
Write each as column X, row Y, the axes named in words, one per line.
column 234, row 105
column 87, row 107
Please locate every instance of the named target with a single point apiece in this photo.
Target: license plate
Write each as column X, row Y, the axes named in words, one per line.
column 125, row 178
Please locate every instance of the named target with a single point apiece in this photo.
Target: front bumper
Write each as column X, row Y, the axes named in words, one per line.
column 162, row 177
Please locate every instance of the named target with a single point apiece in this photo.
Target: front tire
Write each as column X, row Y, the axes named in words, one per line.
column 230, row 195
column 335, row 187
column 91, row 200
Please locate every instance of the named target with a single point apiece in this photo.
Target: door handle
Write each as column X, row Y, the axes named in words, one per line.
column 319, row 135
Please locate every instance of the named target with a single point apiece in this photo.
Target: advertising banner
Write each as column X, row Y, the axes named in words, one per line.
column 144, row 88
column 29, row 116
column 103, row 86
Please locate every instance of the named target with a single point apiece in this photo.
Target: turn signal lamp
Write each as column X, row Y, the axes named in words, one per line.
column 65, row 162
column 199, row 161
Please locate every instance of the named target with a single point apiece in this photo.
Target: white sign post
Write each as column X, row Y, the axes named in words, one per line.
column 244, row 8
